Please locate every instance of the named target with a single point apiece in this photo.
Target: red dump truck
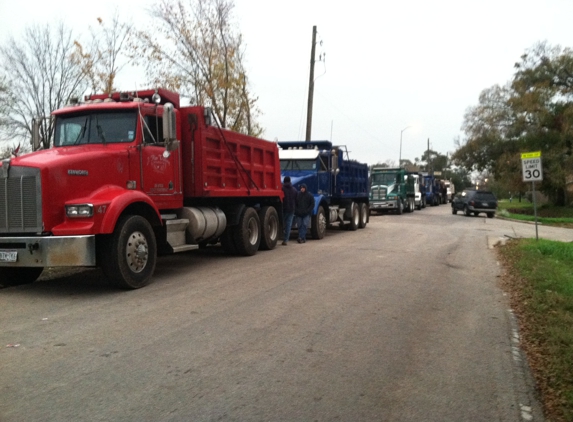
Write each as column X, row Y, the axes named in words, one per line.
column 130, row 176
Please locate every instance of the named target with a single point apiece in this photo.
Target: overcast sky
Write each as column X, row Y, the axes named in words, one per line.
column 415, row 64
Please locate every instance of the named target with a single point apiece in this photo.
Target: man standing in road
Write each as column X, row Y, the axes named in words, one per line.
column 289, row 203
column 303, row 209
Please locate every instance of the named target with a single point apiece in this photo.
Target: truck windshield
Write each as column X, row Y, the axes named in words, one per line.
column 95, row 128
column 298, row 165
column 383, row 178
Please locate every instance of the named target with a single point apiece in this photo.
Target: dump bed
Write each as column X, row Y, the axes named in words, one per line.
column 352, row 181
column 218, row 163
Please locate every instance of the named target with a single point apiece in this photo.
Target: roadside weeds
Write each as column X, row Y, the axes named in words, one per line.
column 538, row 278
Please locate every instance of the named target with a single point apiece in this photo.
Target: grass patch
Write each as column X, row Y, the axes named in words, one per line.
column 549, row 215
column 540, row 282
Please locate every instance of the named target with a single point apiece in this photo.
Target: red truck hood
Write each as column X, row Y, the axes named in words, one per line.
column 68, row 173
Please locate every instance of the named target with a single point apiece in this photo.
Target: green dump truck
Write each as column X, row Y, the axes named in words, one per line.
column 391, row 189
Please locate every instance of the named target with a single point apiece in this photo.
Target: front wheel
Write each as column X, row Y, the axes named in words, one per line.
column 129, row 258
column 467, row 211
column 318, row 224
column 400, row 209
column 16, row 276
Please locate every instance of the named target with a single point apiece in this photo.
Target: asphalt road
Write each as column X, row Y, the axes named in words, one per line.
column 401, row 321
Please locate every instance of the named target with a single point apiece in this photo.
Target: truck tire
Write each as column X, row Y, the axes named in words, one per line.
column 228, row 242
column 16, row 276
column 269, row 228
column 412, row 205
column 247, row 235
column 318, row 224
column 490, row 214
column 419, row 206
column 454, row 210
column 400, row 209
column 467, row 211
column 131, row 253
column 354, row 216
column 363, row 215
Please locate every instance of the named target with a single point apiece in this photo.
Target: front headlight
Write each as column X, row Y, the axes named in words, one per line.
column 80, row 211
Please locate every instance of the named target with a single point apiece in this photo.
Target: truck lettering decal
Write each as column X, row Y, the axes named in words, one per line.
column 77, row 172
column 158, row 163
column 101, row 209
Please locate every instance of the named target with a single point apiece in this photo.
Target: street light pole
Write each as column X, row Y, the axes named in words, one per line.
column 401, row 132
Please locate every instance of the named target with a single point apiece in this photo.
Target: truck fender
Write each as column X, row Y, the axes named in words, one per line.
column 233, row 212
column 318, row 201
column 122, row 199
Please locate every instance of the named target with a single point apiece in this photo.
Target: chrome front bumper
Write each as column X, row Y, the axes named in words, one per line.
column 384, row 205
column 48, row 251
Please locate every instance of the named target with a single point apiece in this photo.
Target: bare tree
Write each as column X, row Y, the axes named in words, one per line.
column 40, row 72
column 107, row 53
column 200, row 53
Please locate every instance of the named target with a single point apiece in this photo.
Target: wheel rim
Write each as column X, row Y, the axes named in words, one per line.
column 321, row 222
column 137, row 252
column 273, row 228
column 253, row 231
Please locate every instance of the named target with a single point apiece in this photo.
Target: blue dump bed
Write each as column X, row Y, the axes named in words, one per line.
column 352, row 180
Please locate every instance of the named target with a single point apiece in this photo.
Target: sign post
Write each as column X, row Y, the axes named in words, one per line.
column 532, row 172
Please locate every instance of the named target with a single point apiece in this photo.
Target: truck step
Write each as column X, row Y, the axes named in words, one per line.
column 176, row 232
column 168, row 216
column 184, row 248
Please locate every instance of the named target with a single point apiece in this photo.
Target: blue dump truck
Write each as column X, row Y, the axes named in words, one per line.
column 339, row 185
column 433, row 189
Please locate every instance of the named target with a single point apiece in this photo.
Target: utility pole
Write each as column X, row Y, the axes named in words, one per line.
column 310, row 86
column 428, row 157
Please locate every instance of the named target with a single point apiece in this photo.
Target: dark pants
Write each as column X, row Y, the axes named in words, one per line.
column 302, row 223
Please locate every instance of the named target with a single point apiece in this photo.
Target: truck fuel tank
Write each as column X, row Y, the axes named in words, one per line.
column 204, row 222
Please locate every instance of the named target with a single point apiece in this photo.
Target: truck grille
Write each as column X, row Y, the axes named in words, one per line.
column 378, row 193
column 21, row 201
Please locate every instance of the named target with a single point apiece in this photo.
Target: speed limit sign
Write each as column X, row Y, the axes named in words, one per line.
column 531, row 165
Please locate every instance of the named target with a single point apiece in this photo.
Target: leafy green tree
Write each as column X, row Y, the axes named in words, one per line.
column 434, row 161
column 532, row 113
column 193, row 47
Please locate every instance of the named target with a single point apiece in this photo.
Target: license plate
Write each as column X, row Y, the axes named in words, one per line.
column 485, row 204
column 8, row 256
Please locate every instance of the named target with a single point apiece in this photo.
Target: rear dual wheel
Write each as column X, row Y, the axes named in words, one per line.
column 364, row 214
column 354, row 217
column 269, row 219
column 247, row 234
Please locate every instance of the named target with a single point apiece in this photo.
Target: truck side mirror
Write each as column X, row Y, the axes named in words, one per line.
column 169, row 129
column 36, row 121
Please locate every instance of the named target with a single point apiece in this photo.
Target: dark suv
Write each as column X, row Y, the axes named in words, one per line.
column 472, row 201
